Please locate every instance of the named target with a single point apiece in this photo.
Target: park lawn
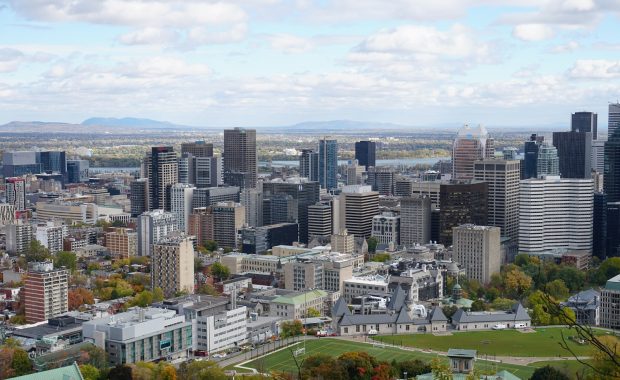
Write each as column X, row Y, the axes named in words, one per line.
column 544, row 342
column 283, row 360
column 570, row 367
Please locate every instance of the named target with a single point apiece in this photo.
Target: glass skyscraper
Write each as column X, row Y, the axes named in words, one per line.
column 328, row 163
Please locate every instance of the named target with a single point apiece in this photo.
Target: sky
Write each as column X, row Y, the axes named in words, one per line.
column 280, row 62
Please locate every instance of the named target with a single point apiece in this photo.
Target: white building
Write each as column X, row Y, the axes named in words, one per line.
column 18, row 238
column 181, row 197
column 598, row 155
column 554, row 214
column 51, row 236
column 386, row 228
column 359, row 286
column 252, row 200
column 477, row 248
column 152, row 227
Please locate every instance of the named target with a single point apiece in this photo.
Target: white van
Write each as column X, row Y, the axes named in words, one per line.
column 372, row 332
column 520, row 325
column 499, row 326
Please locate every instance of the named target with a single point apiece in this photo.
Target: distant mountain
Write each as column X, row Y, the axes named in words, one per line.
column 131, row 122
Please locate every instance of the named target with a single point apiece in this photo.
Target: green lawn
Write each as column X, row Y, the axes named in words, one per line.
column 542, row 343
column 570, row 367
column 283, row 360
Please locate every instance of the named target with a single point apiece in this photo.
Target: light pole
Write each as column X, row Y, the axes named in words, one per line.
column 405, row 375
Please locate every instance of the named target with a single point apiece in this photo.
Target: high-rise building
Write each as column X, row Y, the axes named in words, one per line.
column 209, row 196
column 18, row 238
column 206, row 171
column 462, row 202
column 252, row 200
column 302, row 192
column 172, row 264
column 502, row 177
column 365, row 152
column 584, row 122
column 54, row 162
column 548, row 162
column 358, row 205
column 122, row 242
column 415, row 220
column 240, row 160
column 598, row 155
column 477, row 249
column 258, row 240
column 77, row 171
column 386, row 228
column 201, row 225
column 555, row 213
column 15, row 164
column 228, row 219
column 599, row 226
column 154, row 226
column 612, row 248
column 530, row 159
column 328, row 163
column 471, row 144
column 197, row 149
column 611, row 177
column 614, row 119
column 163, row 172
column 610, row 303
column 309, row 164
column 319, row 220
column 343, row 242
column 7, row 214
column 139, row 196
column 382, row 179
column 355, row 173
column 574, row 153
column 181, row 198
column 46, row 292
column 51, row 236
column 15, row 190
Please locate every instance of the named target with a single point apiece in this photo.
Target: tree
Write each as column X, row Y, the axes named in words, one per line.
column 312, row 312
column 208, row 289
column 89, row 372
column 381, row 257
column 548, row 373
column 142, row 299
column 372, row 244
column 120, row 372
column 449, row 311
column 358, row 365
column 158, row 294
column 609, row 268
column 517, row 282
column 291, row 328
column 37, row 252
column 478, row 305
column 210, row 245
column 21, row 364
column 65, row 259
column 413, row 367
column 220, row 271
column 440, row 369
column 201, row 370
column 557, row 289
column 605, row 366
column 198, row 265
column 79, row 297
column 322, row 366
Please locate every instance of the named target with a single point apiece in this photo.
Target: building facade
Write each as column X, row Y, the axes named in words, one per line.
column 154, row 226
column 415, row 220
column 365, row 153
column 462, row 202
column 46, row 292
column 477, row 248
column 471, row 144
column 328, row 163
column 172, row 264
column 574, row 153
column 240, row 159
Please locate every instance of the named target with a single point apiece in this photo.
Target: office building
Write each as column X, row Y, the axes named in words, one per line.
column 462, row 202
column 154, row 226
column 18, row 238
column 181, row 197
column 584, row 122
column 555, row 214
column 303, row 193
column 139, row 196
column 548, row 162
column 172, row 265
column 200, row 225
column 355, row 173
column 430, row 189
column 17, row 164
column 122, row 242
column 502, row 177
column 386, row 228
column 68, row 212
column 209, row 196
column 51, row 236
column 415, row 220
column 471, row 144
column 163, row 171
column 228, row 219
column 15, row 191
column 343, row 242
column 258, row 240
column 611, row 176
column 598, row 155
column 358, row 205
column 530, row 156
column 240, row 160
column 610, row 303
column 207, row 171
column 54, row 162
column 309, row 164
column 599, row 226
column 279, row 208
column 46, row 292
column 319, row 220
column 296, row 305
column 477, row 249
column 300, row 275
column 365, row 152
column 574, row 153
column 252, row 200
column 197, row 149
column 613, row 118
column 77, row 171
column 141, row 335
column 510, row 153
column 328, row 163
column 381, row 179
column 613, row 230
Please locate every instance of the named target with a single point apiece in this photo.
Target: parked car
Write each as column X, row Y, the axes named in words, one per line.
column 499, row 326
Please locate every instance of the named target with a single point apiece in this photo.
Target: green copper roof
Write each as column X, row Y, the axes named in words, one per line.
column 71, row 372
column 613, row 283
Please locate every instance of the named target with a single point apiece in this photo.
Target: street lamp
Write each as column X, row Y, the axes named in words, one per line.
column 405, row 375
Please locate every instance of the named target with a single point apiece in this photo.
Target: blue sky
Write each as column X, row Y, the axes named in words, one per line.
column 278, row 62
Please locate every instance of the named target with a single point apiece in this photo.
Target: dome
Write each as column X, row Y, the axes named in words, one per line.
column 452, row 267
column 473, row 132
column 456, row 286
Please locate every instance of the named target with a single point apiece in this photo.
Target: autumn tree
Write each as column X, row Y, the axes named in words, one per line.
column 440, row 369
column 220, row 271
column 357, row 365
column 291, row 328
column 557, row 289
column 90, row 372
column 517, row 282
column 322, row 366
column 80, row 296
column 201, row 370
column 312, row 312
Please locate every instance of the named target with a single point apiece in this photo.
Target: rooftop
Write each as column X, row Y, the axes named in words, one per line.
column 613, row 283
column 300, row 298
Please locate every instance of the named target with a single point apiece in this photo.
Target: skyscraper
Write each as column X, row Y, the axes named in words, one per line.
column 502, row 177
column 197, row 149
column 555, row 213
column 15, row 164
column 599, row 226
column 77, row 171
column 139, row 196
column 15, row 190
column 612, row 248
column 415, row 220
column 309, row 164
column 163, row 172
column 54, row 162
column 530, row 159
column 382, row 179
column 252, row 200
column 477, row 249
column 319, row 220
column 614, row 118
column 471, row 144
column 181, row 197
column 328, row 163
column 462, row 202
column 46, row 292
column 548, row 162
column 598, row 155
column 611, row 177
column 240, row 158
column 365, row 153
column 172, row 265
column 359, row 204
column 153, row 226
column 574, row 153
column 228, row 219
column 584, row 122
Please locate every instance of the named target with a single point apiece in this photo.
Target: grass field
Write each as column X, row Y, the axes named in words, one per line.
column 283, row 360
column 570, row 367
column 542, row 343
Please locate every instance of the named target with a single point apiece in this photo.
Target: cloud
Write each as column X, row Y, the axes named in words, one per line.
column 291, row 44
column 149, row 36
column 10, row 59
column 568, row 47
column 595, row 69
column 532, row 32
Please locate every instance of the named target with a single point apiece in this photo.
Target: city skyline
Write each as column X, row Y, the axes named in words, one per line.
column 256, row 63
